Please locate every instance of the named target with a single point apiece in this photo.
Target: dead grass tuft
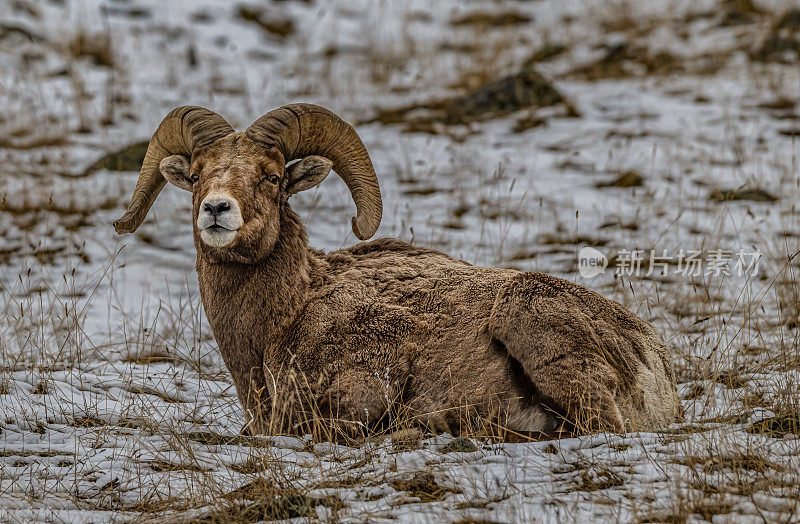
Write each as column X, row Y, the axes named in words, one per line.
column 163, row 465
column 491, row 18
column 95, row 46
column 270, row 505
column 599, row 478
column 704, row 507
column 273, row 23
column 628, row 60
column 740, row 461
column 753, row 195
column 215, row 439
column 423, row 486
column 626, row 179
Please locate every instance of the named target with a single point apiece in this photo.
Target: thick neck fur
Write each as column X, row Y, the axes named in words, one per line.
column 250, row 306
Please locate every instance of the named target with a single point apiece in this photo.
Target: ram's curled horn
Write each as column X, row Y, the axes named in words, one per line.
column 299, row 130
column 183, row 130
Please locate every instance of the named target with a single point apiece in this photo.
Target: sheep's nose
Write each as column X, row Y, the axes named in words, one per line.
column 219, row 210
column 216, row 209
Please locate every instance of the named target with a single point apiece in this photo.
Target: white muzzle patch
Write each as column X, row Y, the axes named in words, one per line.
column 219, row 218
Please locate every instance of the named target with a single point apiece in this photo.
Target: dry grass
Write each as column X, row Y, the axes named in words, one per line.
column 95, row 46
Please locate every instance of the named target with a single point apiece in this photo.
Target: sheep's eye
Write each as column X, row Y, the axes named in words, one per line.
column 194, row 178
column 272, row 179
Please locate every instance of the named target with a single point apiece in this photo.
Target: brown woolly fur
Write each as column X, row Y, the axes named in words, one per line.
column 355, row 337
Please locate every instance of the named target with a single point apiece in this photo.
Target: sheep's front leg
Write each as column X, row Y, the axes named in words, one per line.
column 247, row 372
column 356, row 399
column 329, row 405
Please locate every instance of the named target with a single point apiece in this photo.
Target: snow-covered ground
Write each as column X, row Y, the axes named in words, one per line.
column 114, row 404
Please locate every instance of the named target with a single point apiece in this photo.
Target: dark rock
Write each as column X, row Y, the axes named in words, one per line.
column 129, row 158
column 524, row 90
column 459, row 445
column 777, row 426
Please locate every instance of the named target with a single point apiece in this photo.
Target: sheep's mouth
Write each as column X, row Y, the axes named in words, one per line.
column 217, row 236
column 216, row 228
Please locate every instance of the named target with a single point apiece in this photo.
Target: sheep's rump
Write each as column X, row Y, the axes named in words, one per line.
column 591, row 359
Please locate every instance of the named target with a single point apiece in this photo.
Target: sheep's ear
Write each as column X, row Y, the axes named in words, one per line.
column 307, row 173
column 175, row 169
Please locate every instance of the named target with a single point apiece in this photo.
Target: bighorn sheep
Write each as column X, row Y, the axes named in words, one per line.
column 349, row 335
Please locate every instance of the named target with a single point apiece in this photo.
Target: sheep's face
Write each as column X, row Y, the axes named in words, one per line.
column 238, row 190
